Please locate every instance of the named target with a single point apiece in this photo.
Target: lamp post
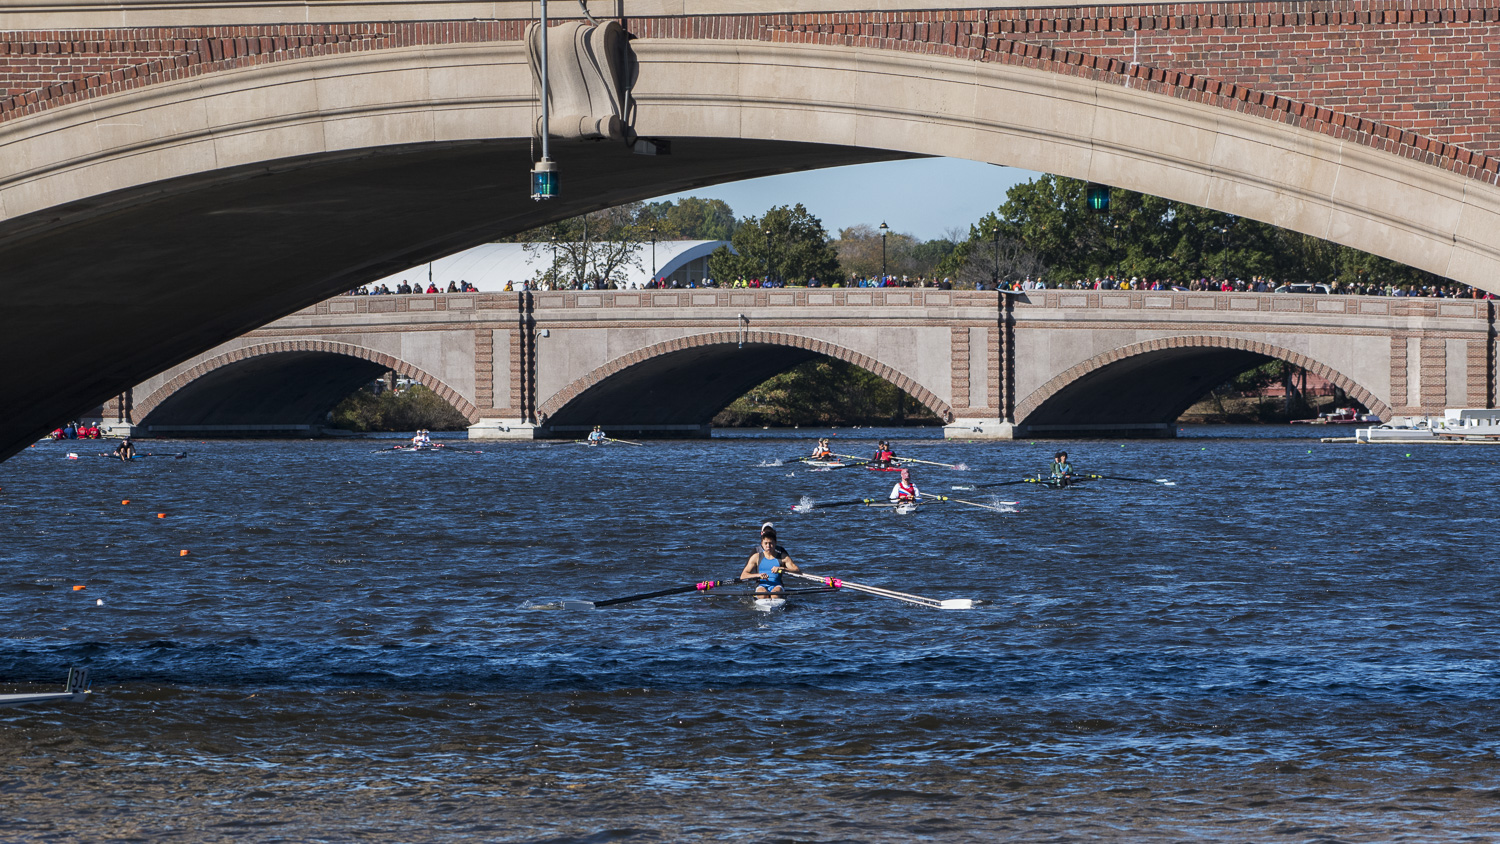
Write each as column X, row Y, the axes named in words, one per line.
column 884, row 230
column 653, row 253
column 995, row 278
column 767, row 274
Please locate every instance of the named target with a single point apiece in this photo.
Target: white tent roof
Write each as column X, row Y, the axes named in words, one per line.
column 490, row 266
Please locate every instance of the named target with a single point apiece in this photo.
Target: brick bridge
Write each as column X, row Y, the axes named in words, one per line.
column 662, row 363
column 174, row 174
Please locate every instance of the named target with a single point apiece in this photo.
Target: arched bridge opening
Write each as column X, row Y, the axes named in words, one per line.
column 674, row 389
column 1141, row 390
column 271, row 392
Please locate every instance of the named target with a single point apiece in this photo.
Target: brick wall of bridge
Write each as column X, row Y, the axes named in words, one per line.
column 1418, row 80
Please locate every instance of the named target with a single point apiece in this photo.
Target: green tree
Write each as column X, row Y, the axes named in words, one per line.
column 1154, row 238
column 412, row 408
column 691, row 218
column 786, row 244
column 825, row 391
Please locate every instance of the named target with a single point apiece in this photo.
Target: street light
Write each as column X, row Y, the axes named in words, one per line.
column 653, row 253
column 884, row 230
column 553, row 269
column 767, row 273
column 995, row 279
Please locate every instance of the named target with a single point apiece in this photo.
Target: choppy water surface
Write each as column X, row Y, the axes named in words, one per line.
column 1296, row 642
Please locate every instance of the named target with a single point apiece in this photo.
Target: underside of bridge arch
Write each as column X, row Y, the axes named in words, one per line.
column 281, row 393
column 671, row 391
column 1142, row 390
column 285, row 394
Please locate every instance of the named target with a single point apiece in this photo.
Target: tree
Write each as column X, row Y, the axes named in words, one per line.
column 692, row 218
column 592, row 247
column 1154, row 238
column 825, row 391
column 860, row 251
column 786, row 244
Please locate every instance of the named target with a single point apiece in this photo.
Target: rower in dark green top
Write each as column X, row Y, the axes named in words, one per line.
column 1062, row 470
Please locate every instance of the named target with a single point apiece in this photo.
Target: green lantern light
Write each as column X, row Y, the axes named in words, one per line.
column 1097, row 196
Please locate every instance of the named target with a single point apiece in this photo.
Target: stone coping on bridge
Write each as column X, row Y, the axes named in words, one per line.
column 484, row 305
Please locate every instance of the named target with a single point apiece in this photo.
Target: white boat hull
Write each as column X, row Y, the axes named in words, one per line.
column 770, row 604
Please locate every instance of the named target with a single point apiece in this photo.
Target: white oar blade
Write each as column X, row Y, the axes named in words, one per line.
column 957, row 604
column 578, row 605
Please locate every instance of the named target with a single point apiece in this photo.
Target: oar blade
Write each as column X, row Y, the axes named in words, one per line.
column 957, row 604
column 578, row 605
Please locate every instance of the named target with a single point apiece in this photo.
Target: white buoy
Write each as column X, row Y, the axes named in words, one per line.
column 99, row 603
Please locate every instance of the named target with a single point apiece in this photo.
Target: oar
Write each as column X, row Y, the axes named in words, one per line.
column 993, row 485
column 1060, row 483
column 928, row 462
column 929, row 495
column 844, row 466
column 627, row 442
column 1162, row 481
column 676, row 590
column 949, row 604
column 815, row 505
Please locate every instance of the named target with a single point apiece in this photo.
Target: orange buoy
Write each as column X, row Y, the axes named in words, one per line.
column 161, row 515
column 182, row 553
column 77, row 588
column 126, row 501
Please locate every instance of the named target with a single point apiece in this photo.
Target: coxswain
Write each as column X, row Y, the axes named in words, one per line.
column 1062, row 470
column 765, row 562
column 821, row 451
column 125, row 450
column 596, row 436
column 883, row 455
column 905, row 489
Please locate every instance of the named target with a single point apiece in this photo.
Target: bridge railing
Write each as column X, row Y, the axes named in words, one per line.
column 1106, row 300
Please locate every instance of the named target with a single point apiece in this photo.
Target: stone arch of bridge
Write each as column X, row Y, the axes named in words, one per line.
column 1154, row 382
column 688, row 380
column 288, row 381
column 353, row 166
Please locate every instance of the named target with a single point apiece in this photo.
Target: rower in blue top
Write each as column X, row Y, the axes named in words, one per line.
column 596, row 436
column 767, row 562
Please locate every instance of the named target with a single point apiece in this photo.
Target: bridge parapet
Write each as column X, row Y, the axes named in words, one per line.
column 1040, row 363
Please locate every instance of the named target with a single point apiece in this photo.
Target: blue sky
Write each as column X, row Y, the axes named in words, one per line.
column 925, row 197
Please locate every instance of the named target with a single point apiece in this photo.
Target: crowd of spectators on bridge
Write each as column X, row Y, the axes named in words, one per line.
column 1261, row 284
column 406, row 287
column 1255, row 284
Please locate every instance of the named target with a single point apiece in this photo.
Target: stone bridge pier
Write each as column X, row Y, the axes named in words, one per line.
column 662, row 363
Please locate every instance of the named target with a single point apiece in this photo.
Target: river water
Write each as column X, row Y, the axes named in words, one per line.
column 1294, row 642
